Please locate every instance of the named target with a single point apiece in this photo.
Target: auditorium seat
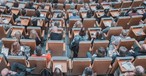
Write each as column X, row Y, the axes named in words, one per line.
column 30, row 12
column 83, row 48
column 40, row 63
column 56, row 47
column 116, row 31
column 3, row 62
column 18, row 59
column 126, row 4
column 72, row 22
column 4, row 33
column 79, row 64
column 105, row 22
column 7, row 42
column 89, row 23
column 102, row 66
column 140, row 60
column 60, row 62
column 122, row 21
column 25, row 20
column 98, row 44
column 136, row 3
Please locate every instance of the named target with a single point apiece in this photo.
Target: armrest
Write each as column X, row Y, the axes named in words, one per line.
column 49, row 65
column 43, row 33
column 70, row 64
column 97, row 24
column 137, row 44
column 8, row 31
column 104, row 35
column 46, row 25
column 27, row 63
column 64, row 47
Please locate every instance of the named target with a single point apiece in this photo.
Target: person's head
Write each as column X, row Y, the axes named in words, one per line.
column 89, row 14
column 15, row 47
column 57, row 72
column 123, row 51
column 30, row 4
column 33, row 34
column 98, row 6
column 78, row 24
column 144, row 17
column 139, row 71
column 17, row 35
column 60, row 15
column 5, row 72
column 101, row 52
column 88, row 71
column 86, row 6
column 23, row 12
column 37, row 13
column 55, row 6
column 54, row 29
column 57, row 23
column 106, row 11
column 134, row 10
column 82, row 32
column 143, row 48
column 124, row 33
column 42, row 6
column 38, row 51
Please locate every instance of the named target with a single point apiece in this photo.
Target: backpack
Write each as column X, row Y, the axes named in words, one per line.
column 46, row 72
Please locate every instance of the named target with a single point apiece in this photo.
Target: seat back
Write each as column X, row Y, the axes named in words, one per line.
column 58, row 61
column 117, row 4
column 89, row 22
column 72, row 22
column 7, row 42
column 136, row 3
column 83, row 48
column 98, row 44
column 19, row 59
column 3, row 32
column 39, row 62
column 124, row 42
column 30, row 12
column 79, row 64
column 57, row 47
column 140, row 60
column 122, row 21
column 116, row 31
column 3, row 62
column 101, row 66
column 30, row 43
column 135, row 20
column 126, row 4
column 105, row 22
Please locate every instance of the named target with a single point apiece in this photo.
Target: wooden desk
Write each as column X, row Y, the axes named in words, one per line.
column 106, row 6
column 6, row 19
column 93, row 7
column 22, row 5
column 14, row 30
column 107, row 23
column 15, row 11
column 114, row 13
column 122, row 69
column 25, row 21
column 2, row 8
column 84, row 14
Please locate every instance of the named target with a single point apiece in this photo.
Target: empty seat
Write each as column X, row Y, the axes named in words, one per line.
column 134, row 20
column 89, row 22
column 122, row 21
column 140, row 60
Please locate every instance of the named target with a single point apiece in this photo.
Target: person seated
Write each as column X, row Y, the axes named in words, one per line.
column 30, row 5
column 37, row 13
column 17, row 69
column 138, row 71
column 54, row 34
column 85, row 7
column 100, row 52
column 88, row 72
column 38, row 51
column 74, row 16
column 72, row 6
column 57, row 72
column 80, row 1
column 105, row 15
column 74, row 46
column 18, row 35
column 34, row 35
column 60, row 15
column 78, row 24
column 134, row 12
column 89, row 14
column 16, row 49
column 143, row 20
column 107, row 27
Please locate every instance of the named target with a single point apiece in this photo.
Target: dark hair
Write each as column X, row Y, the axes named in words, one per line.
column 123, row 51
column 106, row 11
column 88, row 71
column 37, row 13
column 38, row 50
column 60, row 15
column 134, row 10
column 57, row 72
column 55, row 6
column 82, row 32
column 98, row 6
column 23, row 12
column 101, row 52
column 89, row 14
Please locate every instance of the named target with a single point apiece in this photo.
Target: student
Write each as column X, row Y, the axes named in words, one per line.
column 78, row 24
column 74, row 16
column 34, row 35
column 57, row 72
column 16, row 49
column 55, row 35
column 88, row 72
column 38, row 51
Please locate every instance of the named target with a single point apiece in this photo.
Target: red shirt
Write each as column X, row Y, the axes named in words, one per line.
column 48, row 56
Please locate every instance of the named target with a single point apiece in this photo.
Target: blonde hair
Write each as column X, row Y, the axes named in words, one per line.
column 78, row 24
